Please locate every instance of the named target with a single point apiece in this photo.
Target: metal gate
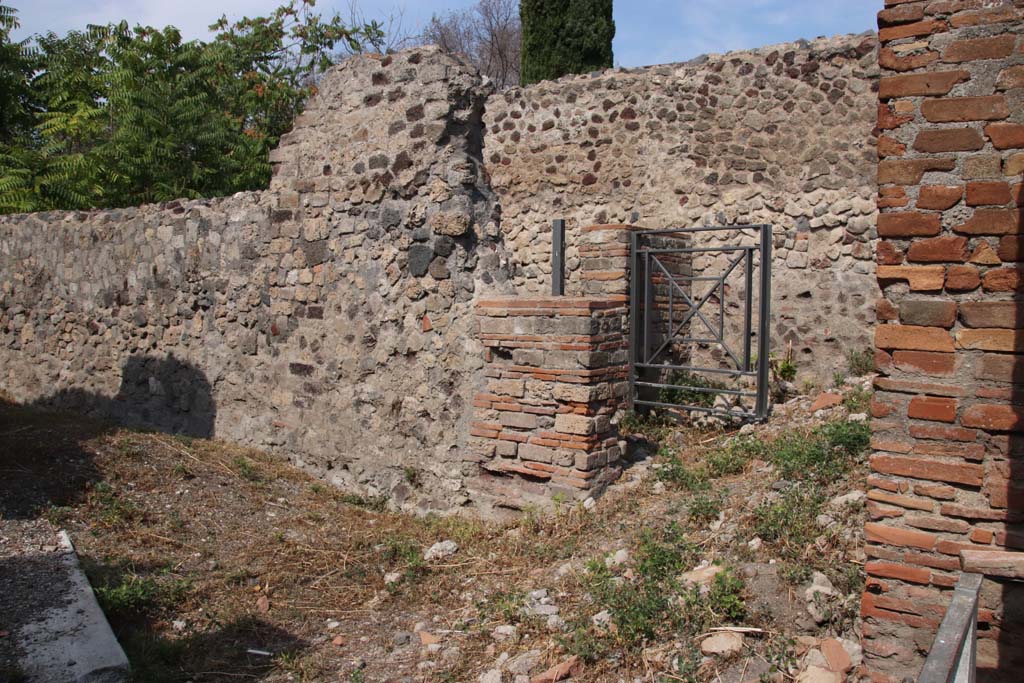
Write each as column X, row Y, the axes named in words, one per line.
column 686, row 350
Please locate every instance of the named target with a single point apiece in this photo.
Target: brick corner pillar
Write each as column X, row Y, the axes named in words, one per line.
column 554, row 375
column 947, row 468
column 604, row 252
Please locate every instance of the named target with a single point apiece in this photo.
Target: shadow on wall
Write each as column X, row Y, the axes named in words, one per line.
column 42, row 460
column 1009, row 636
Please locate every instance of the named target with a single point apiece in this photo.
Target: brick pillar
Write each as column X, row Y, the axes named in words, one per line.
column 555, row 374
column 948, row 449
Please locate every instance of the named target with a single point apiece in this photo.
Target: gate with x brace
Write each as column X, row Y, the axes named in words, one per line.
column 693, row 330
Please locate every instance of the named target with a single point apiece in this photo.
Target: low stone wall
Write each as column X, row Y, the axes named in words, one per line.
column 556, row 374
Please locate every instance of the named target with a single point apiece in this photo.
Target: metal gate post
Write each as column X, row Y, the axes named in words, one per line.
column 763, row 323
column 634, row 313
column 558, row 257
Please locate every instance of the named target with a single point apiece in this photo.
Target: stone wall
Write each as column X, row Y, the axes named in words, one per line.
column 341, row 300
column 337, row 303
column 781, row 135
column 948, row 456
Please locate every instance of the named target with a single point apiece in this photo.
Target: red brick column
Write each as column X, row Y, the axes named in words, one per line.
column 948, row 461
column 555, row 374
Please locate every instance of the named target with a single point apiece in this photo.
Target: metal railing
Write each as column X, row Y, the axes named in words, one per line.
column 953, row 653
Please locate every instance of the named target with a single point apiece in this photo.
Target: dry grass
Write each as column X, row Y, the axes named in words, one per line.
column 204, row 551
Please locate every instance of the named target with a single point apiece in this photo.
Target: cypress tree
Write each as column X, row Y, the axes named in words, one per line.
column 565, row 37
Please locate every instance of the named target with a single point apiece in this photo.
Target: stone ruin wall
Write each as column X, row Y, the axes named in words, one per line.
column 782, row 135
column 329, row 318
column 341, row 301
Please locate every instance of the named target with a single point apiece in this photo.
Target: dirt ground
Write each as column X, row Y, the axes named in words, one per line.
column 220, row 563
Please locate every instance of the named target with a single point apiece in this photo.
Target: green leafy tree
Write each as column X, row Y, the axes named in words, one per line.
column 17, row 66
column 116, row 116
column 565, row 37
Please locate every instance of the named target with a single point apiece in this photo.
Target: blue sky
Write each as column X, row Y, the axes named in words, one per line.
column 647, row 31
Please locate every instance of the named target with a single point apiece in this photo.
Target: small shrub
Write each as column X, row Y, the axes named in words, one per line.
column 133, row 595
column 686, row 394
column 373, row 503
column 779, row 653
column 663, row 555
column 246, row 468
column 733, row 456
column 704, row 507
column 642, row 423
column 114, row 510
column 861, row 362
column 786, row 370
column 723, row 602
column 789, row 521
column 507, row 605
column 585, row 644
column 691, row 479
column 858, row 400
column 821, row 455
column 412, row 476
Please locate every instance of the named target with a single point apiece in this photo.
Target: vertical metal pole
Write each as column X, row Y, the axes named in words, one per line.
column 558, row 257
column 634, row 313
column 763, row 323
column 647, row 306
column 748, row 311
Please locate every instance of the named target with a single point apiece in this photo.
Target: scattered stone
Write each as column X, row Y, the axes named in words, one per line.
column 836, row 655
column 755, row 543
column 441, row 550
column 492, row 676
column 504, row 632
column 402, row 638
column 524, row 662
column 559, row 671
column 825, row 401
column 392, row 578
column 702, row 576
column 428, row 638
column 854, row 650
column 816, row 674
column 857, row 417
column 847, row 499
column 620, row 557
column 602, row 619
column 724, row 644
column 589, row 504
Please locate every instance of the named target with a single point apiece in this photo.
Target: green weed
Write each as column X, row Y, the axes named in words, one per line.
column 687, row 393
column 691, row 479
column 860, row 363
column 372, row 503
column 132, row 595
column 705, row 507
column 246, row 468
column 858, row 400
column 821, row 455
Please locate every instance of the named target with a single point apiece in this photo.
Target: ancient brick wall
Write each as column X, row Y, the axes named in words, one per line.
column 781, row 135
column 556, row 375
column 947, row 463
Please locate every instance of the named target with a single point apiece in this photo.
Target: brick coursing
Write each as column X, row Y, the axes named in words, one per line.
column 947, row 427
